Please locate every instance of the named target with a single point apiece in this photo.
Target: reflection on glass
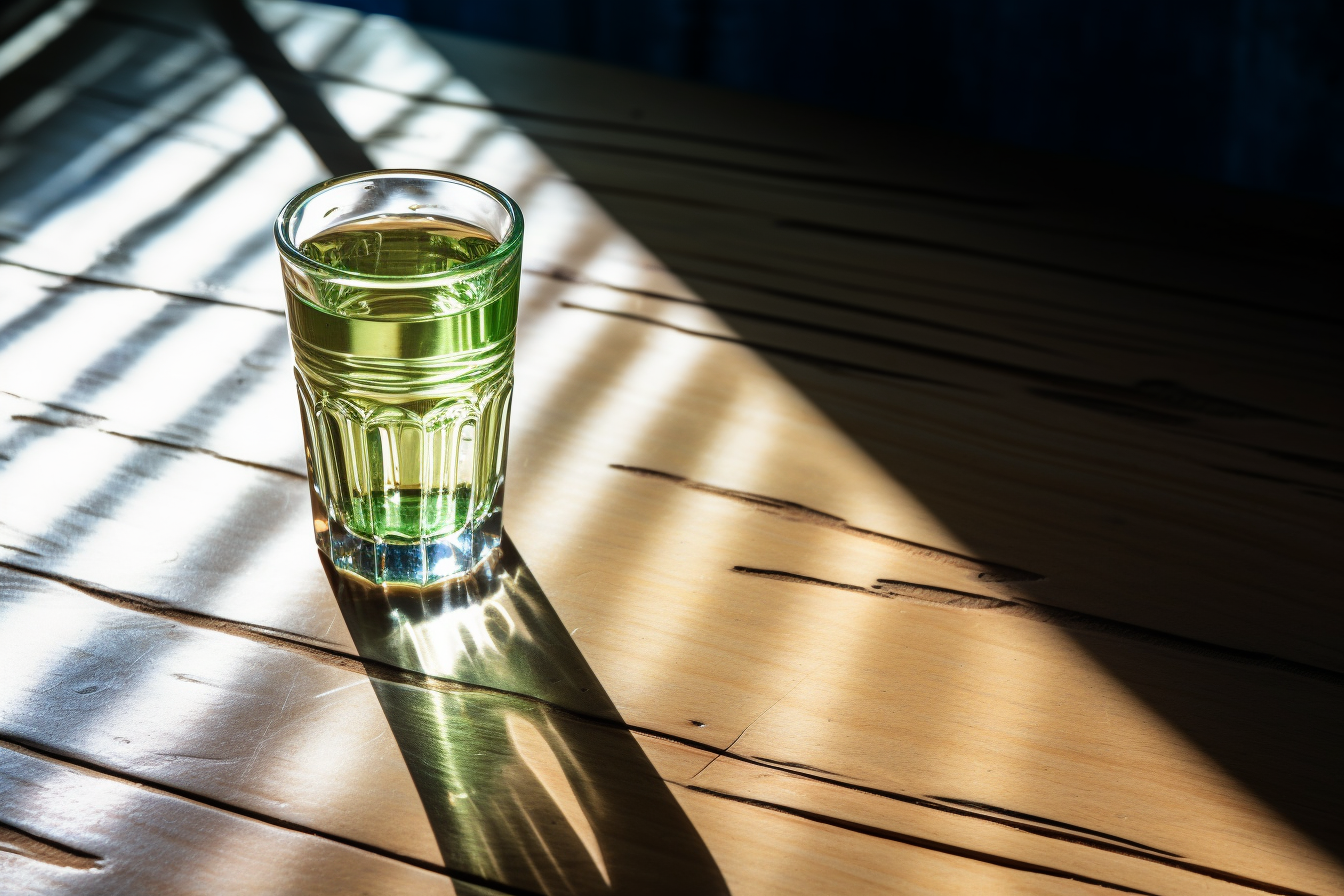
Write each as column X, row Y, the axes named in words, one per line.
column 527, row 774
column 402, row 297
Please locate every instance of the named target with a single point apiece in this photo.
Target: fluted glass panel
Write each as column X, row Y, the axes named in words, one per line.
column 402, row 321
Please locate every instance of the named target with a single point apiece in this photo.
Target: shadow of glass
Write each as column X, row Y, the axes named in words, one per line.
column 549, row 792
column 1249, row 734
column 1269, row 730
column 1272, row 734
column 1264, row 728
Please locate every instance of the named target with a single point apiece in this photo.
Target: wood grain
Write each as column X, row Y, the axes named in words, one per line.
column 899, row 514
column 148, row 840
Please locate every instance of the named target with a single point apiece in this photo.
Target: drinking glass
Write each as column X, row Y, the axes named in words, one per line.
column 402, row 298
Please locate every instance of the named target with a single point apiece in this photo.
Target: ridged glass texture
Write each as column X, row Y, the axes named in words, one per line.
column 404, row 382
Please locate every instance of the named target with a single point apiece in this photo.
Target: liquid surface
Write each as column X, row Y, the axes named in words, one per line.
column 405, row 392
column 398, row 246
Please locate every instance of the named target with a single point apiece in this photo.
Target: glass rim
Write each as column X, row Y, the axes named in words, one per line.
column 506, row 247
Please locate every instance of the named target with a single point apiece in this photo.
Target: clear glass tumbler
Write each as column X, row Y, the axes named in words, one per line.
column 402, row 299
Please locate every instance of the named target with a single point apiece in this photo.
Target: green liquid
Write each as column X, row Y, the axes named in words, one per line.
column 400, row 246
column 405, row 391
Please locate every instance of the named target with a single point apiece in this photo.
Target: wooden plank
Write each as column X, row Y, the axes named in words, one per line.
column 155, row 161
column 1053, row 548
column 831, row 621
column 952, row 826
column 144, row 710
column 1033, row 188
column 485, row 784
column 1247, row 470
column 1267, row 443
column 188, row 708
column 684, row 668
column 68, row 829
column 772, row 852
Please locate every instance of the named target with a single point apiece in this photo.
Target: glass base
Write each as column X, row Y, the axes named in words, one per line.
column 418, row 563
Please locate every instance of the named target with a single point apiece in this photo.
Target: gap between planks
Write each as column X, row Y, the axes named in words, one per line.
column 374, row 669
column 35, row 750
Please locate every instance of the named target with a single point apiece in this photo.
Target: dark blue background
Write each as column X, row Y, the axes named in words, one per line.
column 1249, row 92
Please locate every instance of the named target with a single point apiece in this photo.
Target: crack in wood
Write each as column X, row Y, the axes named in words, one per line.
column 373, row 669
column 262, row 634
column 921, row 842
column 804, row 357
column 727, row 751
column 1068, row 619
column 1156, row 857
column 805, row 580
column 798, row 765
column 65, row 409
column 85, row 279
column 157, row 443
column 566, row 276
column 365, row 670
column 1011, row 820
column 35, row 750
column 41, row 849
column 887, row 276
column 1053, row 267
column 575, row 121
column 1221, row 252
column 824, row 302
column 323, row 652
column 173, row 757
column 946, row 597
column 831, row 180
column 984, row 570
column 986, row 807
column 29, row 537
column 1307, row 488
column 182, row 676
column 1163, row 396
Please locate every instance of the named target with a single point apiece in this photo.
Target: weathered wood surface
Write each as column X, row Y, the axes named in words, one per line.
column 898, row 515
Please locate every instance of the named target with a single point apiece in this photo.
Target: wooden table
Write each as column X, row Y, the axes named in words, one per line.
column 888, row 512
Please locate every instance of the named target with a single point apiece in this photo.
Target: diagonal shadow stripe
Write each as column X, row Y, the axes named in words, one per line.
column 294, row 91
